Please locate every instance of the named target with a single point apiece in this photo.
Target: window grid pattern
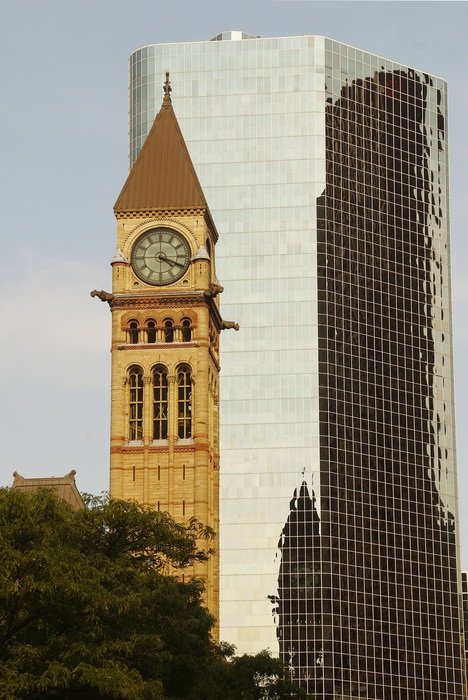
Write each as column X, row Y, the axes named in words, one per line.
column 383, row 622
column 331, row 239
column 465, row 610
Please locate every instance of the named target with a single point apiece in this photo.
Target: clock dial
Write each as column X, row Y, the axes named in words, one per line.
column 160, row 256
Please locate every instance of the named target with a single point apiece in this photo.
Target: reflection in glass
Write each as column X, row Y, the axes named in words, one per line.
column 363, row 601
column 296, row 139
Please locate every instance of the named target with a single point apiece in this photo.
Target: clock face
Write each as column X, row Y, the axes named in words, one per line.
column 160, row 256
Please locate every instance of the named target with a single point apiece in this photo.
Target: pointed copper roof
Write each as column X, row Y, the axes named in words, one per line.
column 163, row 177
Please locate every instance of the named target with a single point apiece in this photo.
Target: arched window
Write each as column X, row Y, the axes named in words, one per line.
column 184, row 402
column 186, row 330
column 160, row 396
column 133, row 332
column 135, row 403
column 168, row 331
column 151, row 331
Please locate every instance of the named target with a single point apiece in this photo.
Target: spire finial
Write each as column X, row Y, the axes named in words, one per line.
column 167, row 90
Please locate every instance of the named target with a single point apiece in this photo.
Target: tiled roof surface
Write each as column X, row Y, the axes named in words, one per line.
column 163, row 176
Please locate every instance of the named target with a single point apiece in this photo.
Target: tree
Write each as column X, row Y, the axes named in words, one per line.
column 90, row 608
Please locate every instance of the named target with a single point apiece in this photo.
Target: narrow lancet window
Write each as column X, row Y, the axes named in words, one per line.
column 186, row 330
column 168, row 331
column 184, row 402
column 133, row 332
column 135, row 403
column 160, row 399
column 151, row 331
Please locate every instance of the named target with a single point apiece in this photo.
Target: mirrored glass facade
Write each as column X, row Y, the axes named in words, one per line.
column 325, row 168
column 465, row 611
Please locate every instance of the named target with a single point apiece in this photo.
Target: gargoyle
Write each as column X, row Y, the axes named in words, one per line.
column 102, row 295
column 213, row 290
column 229, row 324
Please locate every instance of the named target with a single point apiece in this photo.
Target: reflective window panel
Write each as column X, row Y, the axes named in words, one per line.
column 325, row 168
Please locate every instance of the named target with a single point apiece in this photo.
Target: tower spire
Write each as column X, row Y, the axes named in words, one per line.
column 163, row 176
column 167, row 91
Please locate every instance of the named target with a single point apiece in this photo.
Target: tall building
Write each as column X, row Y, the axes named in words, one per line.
column 326, row 170
column 465, row 610
column 165, row 340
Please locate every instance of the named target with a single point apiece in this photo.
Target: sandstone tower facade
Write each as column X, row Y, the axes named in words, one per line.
column 165, row 340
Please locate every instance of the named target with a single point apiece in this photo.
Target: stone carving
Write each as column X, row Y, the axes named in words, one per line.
column 229, row 324
column 213, row 290
column 102, row 295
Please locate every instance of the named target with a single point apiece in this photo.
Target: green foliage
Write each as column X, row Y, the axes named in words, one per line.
column 90, row 608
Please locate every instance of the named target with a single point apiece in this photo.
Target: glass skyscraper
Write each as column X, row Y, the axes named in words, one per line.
column 465, row 610
column 325, row 168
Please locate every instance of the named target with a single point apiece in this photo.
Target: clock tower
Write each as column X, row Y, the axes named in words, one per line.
column 165, row 340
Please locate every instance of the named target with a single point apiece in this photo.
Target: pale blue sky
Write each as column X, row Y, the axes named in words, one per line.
column 63, row 131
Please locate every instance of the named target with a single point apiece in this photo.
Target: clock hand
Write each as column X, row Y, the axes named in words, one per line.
column 162, row 256
column 174, row 262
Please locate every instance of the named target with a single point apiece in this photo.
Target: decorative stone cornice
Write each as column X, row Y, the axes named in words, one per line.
column 169, row 216
column 157, row 346
column 152, row 448
column 161, row 220
column 184, row 448
column 162, row 214
column 145, row 301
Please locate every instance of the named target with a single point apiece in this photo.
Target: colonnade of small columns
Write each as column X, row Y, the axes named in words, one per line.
column 151, row 332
